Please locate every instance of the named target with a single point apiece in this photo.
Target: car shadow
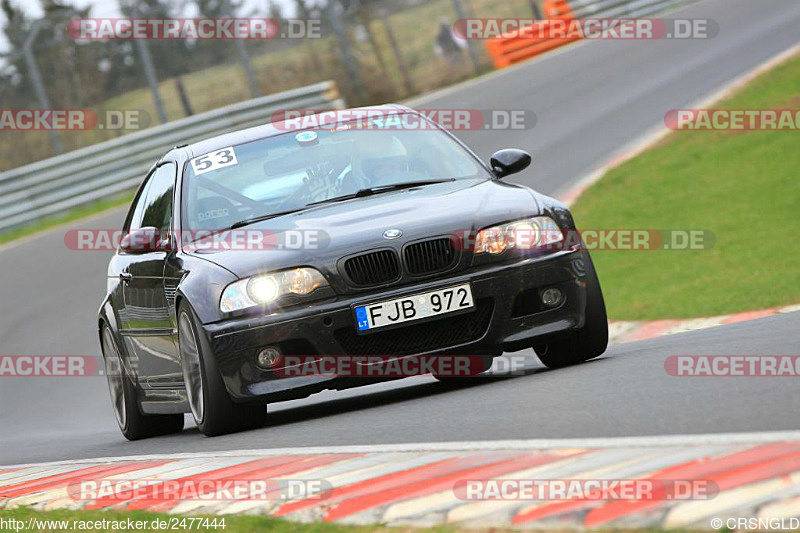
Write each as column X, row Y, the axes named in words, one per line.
column 375, row 399
column 371, row 400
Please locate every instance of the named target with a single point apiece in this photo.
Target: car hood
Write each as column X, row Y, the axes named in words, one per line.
column 322, row 235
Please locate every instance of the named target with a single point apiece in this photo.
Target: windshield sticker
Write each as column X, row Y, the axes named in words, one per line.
column 214, row 161
column 306, row 137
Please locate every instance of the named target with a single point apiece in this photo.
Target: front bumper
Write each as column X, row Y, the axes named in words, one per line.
column 507, row 317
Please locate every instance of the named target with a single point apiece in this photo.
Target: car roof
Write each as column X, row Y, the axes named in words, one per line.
column 261, row 132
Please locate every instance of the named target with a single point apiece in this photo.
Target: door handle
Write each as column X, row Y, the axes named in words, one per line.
column 125, row 276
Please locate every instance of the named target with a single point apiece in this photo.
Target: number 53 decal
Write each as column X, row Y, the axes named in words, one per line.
column 215, row 160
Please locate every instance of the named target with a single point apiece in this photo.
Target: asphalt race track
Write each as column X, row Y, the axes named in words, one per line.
column 591, row 100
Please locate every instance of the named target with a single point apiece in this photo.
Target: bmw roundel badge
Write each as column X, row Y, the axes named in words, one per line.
column 392, row 233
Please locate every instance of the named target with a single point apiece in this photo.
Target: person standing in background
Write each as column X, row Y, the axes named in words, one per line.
column 446, row 45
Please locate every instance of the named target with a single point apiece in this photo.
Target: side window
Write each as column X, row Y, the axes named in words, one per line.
column 157, row 204
column 134, row 219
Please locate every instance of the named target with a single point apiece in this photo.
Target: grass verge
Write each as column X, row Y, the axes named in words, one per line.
column 741, row 185
column 75, row 214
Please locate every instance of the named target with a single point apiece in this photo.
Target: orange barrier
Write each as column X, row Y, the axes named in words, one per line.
column 558, row 9
column 510, row 49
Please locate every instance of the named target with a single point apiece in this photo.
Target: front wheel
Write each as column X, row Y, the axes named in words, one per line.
column 588, row 342
column 134, row 424
column 212, row 408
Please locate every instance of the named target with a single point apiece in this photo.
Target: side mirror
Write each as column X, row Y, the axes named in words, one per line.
column 510, row 161
column 140, row 240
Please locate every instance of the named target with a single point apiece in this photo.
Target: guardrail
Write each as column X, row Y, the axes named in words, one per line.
column 58, row 184
column 511, row 49
column 607, row 8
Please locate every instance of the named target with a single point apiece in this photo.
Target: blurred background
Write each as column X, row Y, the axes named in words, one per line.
column 375, row 50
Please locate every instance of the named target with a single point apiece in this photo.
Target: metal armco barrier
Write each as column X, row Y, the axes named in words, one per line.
column 56, row 185
column 508, row 50
column 607, row 8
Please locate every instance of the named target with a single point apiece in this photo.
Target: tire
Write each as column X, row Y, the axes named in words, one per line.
column 591, row 340
column 213, row 410
column 134, row 424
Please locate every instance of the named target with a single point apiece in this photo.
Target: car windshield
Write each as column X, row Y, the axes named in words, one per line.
column 288, row 172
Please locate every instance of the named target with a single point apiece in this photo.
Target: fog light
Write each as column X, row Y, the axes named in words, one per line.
column 552, row 297
column 268, row 357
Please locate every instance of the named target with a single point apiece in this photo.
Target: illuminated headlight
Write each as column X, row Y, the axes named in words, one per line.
column 521, row 234
column 269, row 288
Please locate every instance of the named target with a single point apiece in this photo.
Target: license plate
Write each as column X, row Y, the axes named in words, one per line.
column 415, row 307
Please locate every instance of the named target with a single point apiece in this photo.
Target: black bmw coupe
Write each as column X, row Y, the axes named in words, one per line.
column 254, row 251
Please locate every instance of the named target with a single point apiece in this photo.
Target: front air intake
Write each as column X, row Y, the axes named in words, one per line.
column 373, row 268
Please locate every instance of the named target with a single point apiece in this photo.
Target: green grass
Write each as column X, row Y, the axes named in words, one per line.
column 233, row 524
column 742, row 186
column 75, row 214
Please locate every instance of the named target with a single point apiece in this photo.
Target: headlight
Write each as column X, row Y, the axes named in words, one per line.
column 269, row 288
column 522, row 234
